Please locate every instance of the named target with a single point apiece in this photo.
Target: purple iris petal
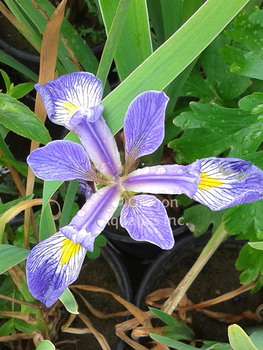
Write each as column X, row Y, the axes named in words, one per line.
column 145, row 218
column 63, row 96
column 61, row 160
column 99, row 144
column 227, row 182
column 92, row 218
column 170, row 179
column 51, row 266
column 144, row 124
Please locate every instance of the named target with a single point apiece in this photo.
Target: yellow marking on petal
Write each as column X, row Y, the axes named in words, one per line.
column 69, row 107
column 206, row 182
column 68, row 250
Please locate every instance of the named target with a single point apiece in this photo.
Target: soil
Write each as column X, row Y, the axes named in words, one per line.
column 218, row 277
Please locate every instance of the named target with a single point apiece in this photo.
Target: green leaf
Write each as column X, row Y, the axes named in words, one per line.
column 238, row 339
column 211, row 345
column 219, row 84
column 251, row 262
column 15, row 116
column 245, row 61
column 6, row 206
column 257, row 338
column 134, row 41
column 68, row 202
column 211, row 130
column 256, row 245
column 175, row 344
column 69, row 301
column 45, row 345
column 99, row 241
column 7, row 327
column 21, row 90
column 199, row 217
column 10, row 61
column 6, row 79
column 244, row 219
column 174, row 329
column 172, row 57
column 10, row 256
column 252, row 103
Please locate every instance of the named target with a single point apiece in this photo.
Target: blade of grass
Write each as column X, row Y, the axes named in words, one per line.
column 172, row 16
column 134, row 44
column 112, row 40
column 10, row 61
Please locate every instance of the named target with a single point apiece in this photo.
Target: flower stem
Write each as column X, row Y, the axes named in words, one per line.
column 189, row 278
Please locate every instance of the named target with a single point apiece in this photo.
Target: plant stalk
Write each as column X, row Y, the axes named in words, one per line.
column 189, row 278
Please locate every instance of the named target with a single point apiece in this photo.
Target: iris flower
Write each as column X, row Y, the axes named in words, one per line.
column 73, row 101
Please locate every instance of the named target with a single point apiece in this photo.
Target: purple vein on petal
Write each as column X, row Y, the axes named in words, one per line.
column 144, row 124
column 169, row 179
column 145, row 218
column 51, row 266
column 92, row 218
column 63, row 96
column 61, row 160
column 100, row 145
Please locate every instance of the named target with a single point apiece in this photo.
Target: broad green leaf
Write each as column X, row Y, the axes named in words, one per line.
column 219, row 85
column 69, row 301
column 251, row 262
column 246, row 61
column 10, row 61
column 22, row 326
column 241, row 219
column 199, row 217
column 15, row 116
column 238, row 339
column 10, row 256
column 211, row 130
column 175, row 344
column 252, row 103
column 172, row 57
column 168, row 319
column 19, row 166
column 45, row 345
column 21, row 90
column 134, row 44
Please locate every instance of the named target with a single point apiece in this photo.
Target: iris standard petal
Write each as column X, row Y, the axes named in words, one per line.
column 99, row 143
column 61, row 160
column 169, row 179
column 63, row 96
column 144, row 124
column 145, row 218
column 227, row 182
column 51, row 266
column 91, row 219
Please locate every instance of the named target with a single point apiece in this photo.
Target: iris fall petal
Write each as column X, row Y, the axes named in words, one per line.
column 51, row 266
column 145, row 218
column 226, row 182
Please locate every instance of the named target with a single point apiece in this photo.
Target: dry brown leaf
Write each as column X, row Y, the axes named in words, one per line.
column 98, row 336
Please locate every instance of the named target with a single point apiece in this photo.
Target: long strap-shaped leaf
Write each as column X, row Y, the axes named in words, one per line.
column 156, row 72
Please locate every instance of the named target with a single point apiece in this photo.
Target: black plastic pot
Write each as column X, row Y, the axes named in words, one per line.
column 137, row 250
column 218, row 277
